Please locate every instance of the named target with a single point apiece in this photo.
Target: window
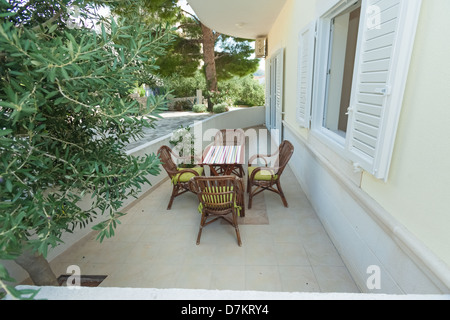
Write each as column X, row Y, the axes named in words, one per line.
column 341, row 62
column 274, row 94
column 354, row 93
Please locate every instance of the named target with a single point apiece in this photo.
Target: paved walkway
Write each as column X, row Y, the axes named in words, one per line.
column 171, row 121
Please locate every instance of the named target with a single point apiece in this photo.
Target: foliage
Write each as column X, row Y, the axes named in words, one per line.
column 66, row 116
column 220, row 108
column 182, row 105
column 233, row 56
column 11, row 291
column 183, row 141
column 244, row 91
column 181, row 86
column 218, row 97
column 200, row 108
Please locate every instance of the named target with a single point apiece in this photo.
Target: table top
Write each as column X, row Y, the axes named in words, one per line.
column 224, row 155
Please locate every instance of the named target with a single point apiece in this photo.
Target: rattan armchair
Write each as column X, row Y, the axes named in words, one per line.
column 218, row 197
column 266, row 177
column 179, row 177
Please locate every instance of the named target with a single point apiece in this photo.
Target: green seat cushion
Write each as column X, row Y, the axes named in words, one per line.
column 185, row 177
column 263, row 175
column 219, row 199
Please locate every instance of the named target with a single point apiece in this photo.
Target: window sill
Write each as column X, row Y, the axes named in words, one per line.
column 330, row 150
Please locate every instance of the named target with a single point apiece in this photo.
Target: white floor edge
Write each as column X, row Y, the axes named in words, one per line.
column 103, row 293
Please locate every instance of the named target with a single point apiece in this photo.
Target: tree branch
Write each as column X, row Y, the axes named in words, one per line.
column 194, row 17
column 216, row 35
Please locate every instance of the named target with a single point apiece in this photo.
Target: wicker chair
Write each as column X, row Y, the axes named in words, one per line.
column 229, row 137
column 179, row 176
column 266, row 177
column 218, row 198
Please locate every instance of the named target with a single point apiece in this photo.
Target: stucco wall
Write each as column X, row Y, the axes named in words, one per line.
column 418, row 191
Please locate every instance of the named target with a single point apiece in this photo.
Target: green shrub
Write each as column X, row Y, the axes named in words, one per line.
column 220, row 108
column 200, row 108
column 182, row 87
column 183, row 105
column 245, row 91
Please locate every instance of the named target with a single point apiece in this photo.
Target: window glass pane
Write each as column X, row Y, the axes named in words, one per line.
column 341, row 63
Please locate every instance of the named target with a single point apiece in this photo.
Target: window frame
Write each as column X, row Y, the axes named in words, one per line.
column 320, row 92
column 406, row 17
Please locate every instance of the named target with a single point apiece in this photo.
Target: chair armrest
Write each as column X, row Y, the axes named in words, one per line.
column 258, row 156
column 184, row 171
column 263, row 156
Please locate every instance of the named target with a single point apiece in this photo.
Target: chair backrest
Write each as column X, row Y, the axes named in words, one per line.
column 216, row 194
column 285, row 152
column 165, row 155
column 229, row 137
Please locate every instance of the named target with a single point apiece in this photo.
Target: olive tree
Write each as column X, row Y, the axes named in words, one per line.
column 66, row 115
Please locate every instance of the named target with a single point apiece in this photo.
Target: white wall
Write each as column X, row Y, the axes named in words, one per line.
column 362, row 231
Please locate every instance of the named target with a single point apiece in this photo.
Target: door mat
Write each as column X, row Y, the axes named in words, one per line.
column 85, row 281
column 257, row 215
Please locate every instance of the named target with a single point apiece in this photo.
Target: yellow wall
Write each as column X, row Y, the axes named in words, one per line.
column 418, row 190
column 417, row 193
column 294, row 17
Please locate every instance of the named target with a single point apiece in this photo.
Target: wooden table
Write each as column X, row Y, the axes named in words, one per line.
column 226, row 158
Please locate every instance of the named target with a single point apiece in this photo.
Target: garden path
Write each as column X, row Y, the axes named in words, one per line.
column 171, row 120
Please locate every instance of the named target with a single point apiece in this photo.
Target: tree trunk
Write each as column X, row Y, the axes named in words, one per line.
column 209, row 59
column 38, row 268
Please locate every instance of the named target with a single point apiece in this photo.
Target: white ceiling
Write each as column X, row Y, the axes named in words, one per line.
column 247, row 19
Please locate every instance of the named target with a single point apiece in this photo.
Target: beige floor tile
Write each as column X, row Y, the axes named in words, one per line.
column 262, row 278
column 228, row 277
column 230, row 254
column 298, row 279
column 199, row 255
column 335, row 279
column 194, row 277
column 287, row 233
column 145, row 253
column 263, row 254
column 172, row 253
column 127, row 233
column 321, row 251
column 251, row 234
column 291, row 254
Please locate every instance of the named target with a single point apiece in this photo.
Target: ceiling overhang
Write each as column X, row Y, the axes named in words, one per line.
column 248, row 19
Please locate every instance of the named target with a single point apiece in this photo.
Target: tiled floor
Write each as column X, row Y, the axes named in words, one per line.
column 156, row 248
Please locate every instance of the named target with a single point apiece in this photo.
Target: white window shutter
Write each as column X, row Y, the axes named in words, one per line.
column 385, row 44
column 279, row 94
column 306, row 46
column 268, row 92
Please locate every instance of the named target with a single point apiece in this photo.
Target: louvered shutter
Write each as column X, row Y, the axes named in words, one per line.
column 268, row 92
column 384, row 50
column 279, row 95
column 306, row 43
